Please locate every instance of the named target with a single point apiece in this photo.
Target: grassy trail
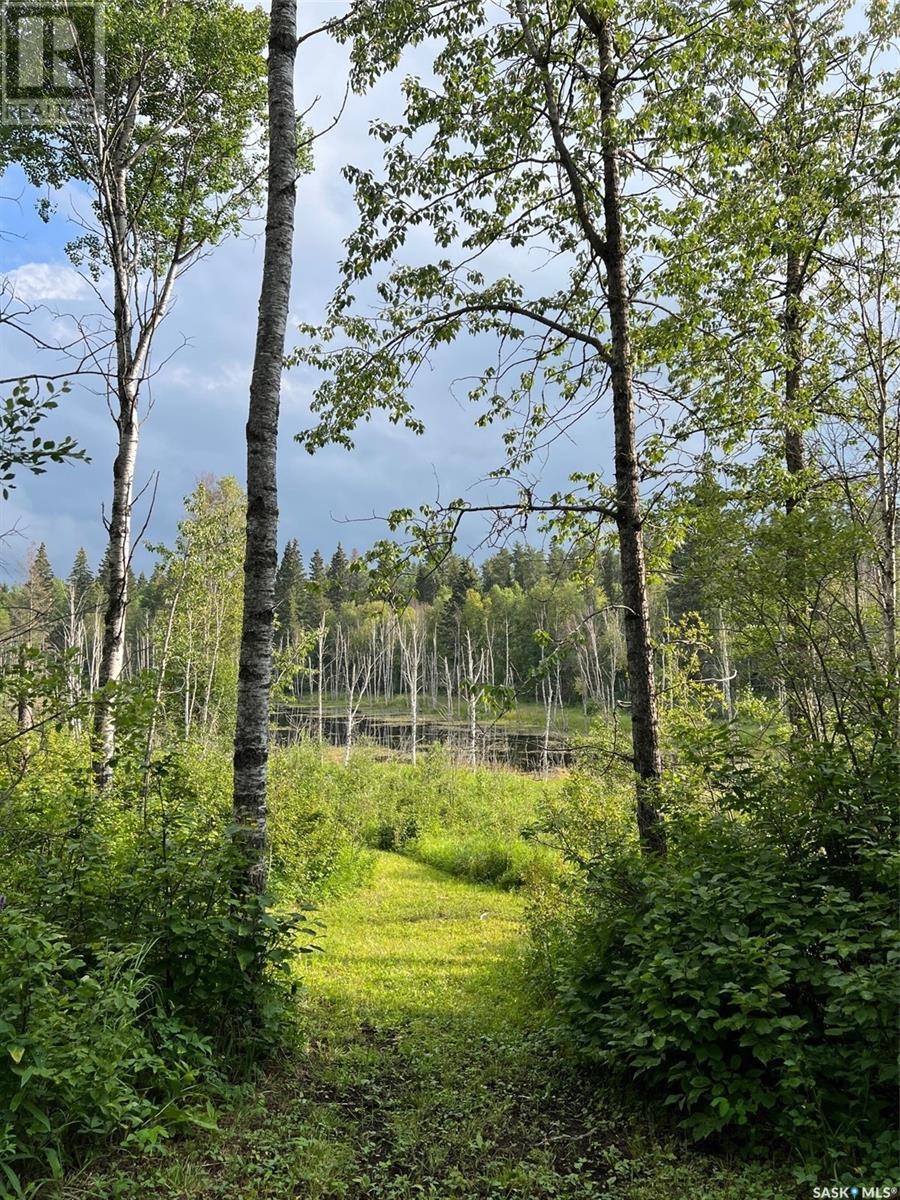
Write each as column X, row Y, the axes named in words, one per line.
column 425, row 1077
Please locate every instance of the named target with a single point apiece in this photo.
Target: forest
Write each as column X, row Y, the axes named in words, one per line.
column 532, row 836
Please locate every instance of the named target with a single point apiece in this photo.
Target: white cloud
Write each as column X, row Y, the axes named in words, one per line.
column 36, row 282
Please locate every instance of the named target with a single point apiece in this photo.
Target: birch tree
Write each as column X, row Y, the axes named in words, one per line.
column 412, row 634
column 170, row 169
column 251, row 737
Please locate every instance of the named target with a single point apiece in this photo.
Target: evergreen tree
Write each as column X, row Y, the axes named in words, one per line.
column 80, row 578
column 427, row 583
column 461, row 579
column 558, row 563
column 40, row 617
column 356, row 578
column 528, row 565
column 338, row 588
column 290, row 592
column 497, row 571
column 316, row 600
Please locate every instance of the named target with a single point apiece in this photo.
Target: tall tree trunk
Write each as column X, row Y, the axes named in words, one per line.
column 118, row 558
column 725, row 664
column 887, row 514
column 320, row 676
column 629, row 518
column 608, row 248
column 794, row 450
column 251, row 737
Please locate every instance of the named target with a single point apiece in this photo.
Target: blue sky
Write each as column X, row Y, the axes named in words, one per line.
column 200, row 396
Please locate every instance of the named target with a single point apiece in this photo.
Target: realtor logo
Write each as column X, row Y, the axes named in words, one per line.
column 52, row 61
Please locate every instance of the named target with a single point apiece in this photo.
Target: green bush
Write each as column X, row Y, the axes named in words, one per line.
column 315, row 843
column 85, row 1049
column 749, row 979
column 323, row 813
column 129, row 967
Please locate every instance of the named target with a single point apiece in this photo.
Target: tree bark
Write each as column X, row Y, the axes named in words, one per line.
column 608, row 248
column 118, row 556
column 251, row 738
column 794, row 450
column 629, row 518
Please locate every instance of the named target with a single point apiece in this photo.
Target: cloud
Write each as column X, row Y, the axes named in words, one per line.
column 204, row 354
column 36, row 282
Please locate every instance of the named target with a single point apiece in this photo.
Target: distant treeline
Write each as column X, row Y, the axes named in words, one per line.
column 543, row 625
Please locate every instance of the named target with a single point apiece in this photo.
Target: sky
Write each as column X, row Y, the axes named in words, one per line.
column 204, row 358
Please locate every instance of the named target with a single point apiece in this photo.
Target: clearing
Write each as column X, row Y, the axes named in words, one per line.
column 426, row 1075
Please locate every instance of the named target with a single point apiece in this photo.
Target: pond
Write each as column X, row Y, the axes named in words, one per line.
column 495, row 745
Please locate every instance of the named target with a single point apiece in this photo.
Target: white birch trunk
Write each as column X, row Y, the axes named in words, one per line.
column 251, row 736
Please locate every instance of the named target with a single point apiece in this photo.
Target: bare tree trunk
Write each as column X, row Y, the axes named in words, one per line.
column 160, row 683
column 112, row 655
column 320, row 674
column 410, row 664
column 887, row 509
column 548, row 717
column 794, row 450
column 251, row 736
column 473, row 693
column 24, row 710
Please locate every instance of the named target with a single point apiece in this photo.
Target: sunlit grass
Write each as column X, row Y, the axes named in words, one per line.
column 427, row 1072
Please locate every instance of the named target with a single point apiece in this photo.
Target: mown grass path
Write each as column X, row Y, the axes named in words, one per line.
column 427, row 1075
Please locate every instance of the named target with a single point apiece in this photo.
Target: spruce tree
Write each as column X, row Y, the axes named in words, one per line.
column 338, row 589
column 80, row 578
column 290, row 594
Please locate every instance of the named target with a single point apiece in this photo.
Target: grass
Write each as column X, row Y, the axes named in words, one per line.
column 426, row 1073
column 505, row 862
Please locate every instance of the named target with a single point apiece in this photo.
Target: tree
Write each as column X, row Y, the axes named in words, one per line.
column 528, row 565
column 497, row 571
column 199, row 610
column 251, row 737
column 290, row 592
column 81, row 577
column 412, row 647
column 539, row 126
column 788, row 157
column 316, row 601
column 170, row 165
column 338, row 588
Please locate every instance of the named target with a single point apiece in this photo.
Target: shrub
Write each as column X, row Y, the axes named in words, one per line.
column 323, row 812
column 315, row 843
column 749, row 978
column 129, row 969
column 85, row 1051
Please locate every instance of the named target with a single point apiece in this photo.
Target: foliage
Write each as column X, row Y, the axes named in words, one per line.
column 747, row 979
column 88, row 1049
column 429, row 1074
column 479, row 858
column 197, row 594
column 130, row 971
column 21, row 447
column 192, row 158
column 324, row 814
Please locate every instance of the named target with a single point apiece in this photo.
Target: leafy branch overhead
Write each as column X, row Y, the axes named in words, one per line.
column 22, row 448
